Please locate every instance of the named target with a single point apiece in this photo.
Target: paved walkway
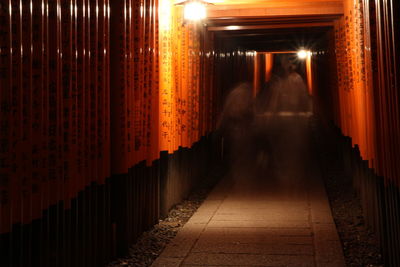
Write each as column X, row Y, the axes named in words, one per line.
column 279, row 216
column 255, row 218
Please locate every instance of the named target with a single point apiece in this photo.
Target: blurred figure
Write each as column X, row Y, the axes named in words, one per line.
column 283, row 98
column 282, row 108
column 236, row 120
column 246, row 146
column 285, row 92
column 257, row 142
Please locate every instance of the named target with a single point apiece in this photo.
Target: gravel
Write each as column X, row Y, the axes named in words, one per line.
column 151, row 243
column 360, row 245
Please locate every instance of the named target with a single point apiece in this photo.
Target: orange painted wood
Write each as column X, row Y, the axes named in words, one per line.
column 365, row 104
column 296, row 8
column 69, row 123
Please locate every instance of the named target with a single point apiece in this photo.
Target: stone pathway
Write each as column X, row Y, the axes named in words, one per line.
column 254, row 229
column 255, row 217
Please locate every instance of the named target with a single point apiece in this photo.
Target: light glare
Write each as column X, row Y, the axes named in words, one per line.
column 165, row 15
column 232, row 27
column 302, row 54
column 195, row 11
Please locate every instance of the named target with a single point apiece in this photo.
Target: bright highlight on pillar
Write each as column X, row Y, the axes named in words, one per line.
column 302, row 54
column 195, row 11
column 232, row 27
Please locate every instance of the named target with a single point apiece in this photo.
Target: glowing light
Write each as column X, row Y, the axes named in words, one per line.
column 165, row 15
column 303, row 54
column 232, row 27
column 195, row 11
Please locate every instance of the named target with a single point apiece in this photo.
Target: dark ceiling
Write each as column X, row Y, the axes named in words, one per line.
column 273, row 33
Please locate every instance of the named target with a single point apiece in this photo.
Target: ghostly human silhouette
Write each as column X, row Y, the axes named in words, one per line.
column 283, row 99
column 286, row 90
column 236, row 119
column 248, row 125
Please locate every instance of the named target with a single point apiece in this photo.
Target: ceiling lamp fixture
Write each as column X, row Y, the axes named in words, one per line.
column 302, row 54
column 194, row 10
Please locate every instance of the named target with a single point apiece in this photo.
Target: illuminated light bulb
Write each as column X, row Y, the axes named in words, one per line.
column 302, row 54
column 194, row 11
